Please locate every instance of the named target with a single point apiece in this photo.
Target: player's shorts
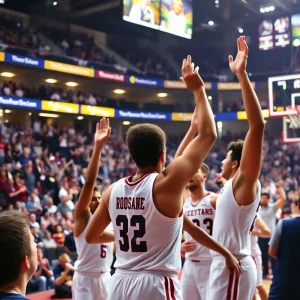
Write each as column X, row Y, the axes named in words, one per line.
column 223, row 285
column 258, row 263
column 87, row 287
column 129, row 285
column 195, row 279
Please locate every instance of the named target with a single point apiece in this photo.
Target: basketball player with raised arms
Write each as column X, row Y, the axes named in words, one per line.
column 238, row 201
column 92, row 268
column 198, row 208
column 146, row 209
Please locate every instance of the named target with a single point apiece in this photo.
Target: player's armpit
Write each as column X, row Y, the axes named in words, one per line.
column 100, row 219
column 213, row 201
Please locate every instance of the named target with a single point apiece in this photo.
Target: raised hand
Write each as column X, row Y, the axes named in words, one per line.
column 103, row 132
column 238, row 66
column 190, row 75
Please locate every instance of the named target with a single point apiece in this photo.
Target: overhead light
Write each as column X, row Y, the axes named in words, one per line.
column 126, row 123
column 296, row 43
column 7, row 74
column 47, row 115
column 7, row 111
column 51, row 80
column 71, row 83
column 162, row 95
column 209, row 98
column 211, row 23
column 80, row 118
column 267, row 9
column 240, row 30
column 119, row 91
column 54, row 3
column 29, row 114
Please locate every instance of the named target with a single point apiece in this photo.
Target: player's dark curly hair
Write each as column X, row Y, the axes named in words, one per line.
column 236, row 149
column 146, row 142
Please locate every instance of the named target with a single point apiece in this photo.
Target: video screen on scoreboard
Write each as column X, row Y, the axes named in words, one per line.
column 282, row 32
column 176, row 17
column 142, row 12
column 295, row 20
column 265, row 35
column 171, row 16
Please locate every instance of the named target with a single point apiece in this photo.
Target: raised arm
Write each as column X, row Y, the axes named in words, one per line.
column 82, row 210
column 96, row 232
column 189, row 136
column 282, row 195
column 170, row 183
column 245, row 180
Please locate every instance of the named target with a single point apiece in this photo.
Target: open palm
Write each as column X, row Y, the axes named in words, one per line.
column 103, row 131
column 239, row 65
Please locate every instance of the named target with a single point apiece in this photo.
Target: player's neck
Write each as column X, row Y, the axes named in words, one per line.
column 142, row 172
column 198, row 194
column 17, row 287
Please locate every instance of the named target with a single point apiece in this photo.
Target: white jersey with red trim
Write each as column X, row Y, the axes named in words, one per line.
column 93, row 258
column 202, row 214
column 255, row 250
column 233, row 222
column 145, row 239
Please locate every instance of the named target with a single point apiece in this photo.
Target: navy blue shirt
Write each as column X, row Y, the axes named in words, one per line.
column 286, row 280
column 11, row 296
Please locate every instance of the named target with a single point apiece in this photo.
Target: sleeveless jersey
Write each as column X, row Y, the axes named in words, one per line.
column 93, row 258
column 255, row 250
column 145, row 239
column 202, row 215
column 233, row 223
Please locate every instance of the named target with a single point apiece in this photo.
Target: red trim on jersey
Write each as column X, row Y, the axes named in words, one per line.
column 136, row 182
column 172, row 289
column 229, row 286
column 181, row 213
column 199, row 200
column 235, row 289
column 167, row 288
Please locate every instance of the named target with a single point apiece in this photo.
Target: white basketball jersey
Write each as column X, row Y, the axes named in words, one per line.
column 145, row 239
column 233, row 223
column 202, row 215
column 255, row 250
column 93, row 258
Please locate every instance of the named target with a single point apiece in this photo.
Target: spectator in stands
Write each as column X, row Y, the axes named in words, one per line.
column 42, row 279
column 34, row 203
column 48, row 241
column 32, row 220
column 36, row 235
column 59, row 235
column 18, row 255
column 268, row 211
column 63, row 274
column 69, row 245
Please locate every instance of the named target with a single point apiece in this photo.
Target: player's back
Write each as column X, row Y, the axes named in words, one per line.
column 202, row 214
column 233, row 222
column 92, row 258
column 146, row 240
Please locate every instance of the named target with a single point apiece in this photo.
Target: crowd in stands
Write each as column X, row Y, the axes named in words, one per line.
column 12, row 34
column 49, row 92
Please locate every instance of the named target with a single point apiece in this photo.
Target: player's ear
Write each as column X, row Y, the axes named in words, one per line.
column 235, row 164
column 162, row 157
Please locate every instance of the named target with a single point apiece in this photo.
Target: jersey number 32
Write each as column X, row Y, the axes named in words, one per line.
column 138, row 222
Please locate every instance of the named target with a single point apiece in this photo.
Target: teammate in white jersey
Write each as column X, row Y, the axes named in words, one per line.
column 92, row 268
column 238, row 202
column 200, row 211
column 260, row 230
column 146, row 209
